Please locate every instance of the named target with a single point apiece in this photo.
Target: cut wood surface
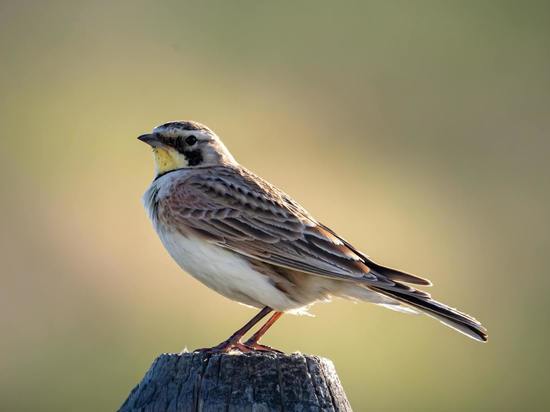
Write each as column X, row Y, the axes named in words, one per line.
column 256, row 381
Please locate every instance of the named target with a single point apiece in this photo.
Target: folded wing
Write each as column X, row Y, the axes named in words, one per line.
column 240, row 211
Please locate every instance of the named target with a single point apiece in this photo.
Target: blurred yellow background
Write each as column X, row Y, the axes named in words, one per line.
column 417, row 130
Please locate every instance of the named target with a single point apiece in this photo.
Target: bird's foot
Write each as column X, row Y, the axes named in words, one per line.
column 230, row 345
column 227, row 346
column 255, row 346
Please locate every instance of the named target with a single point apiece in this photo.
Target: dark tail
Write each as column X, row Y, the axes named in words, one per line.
column 448, row 316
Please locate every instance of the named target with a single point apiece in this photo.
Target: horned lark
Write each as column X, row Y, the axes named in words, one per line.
column 254, row 244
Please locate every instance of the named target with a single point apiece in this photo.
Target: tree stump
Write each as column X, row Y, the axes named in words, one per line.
column 256, row 381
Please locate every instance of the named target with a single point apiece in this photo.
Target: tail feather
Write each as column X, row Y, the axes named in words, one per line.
column 445, row 314
column 398, row 275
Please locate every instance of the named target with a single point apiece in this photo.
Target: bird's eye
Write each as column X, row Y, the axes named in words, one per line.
column 191, row 140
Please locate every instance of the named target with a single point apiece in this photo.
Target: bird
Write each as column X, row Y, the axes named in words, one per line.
column 251, row 242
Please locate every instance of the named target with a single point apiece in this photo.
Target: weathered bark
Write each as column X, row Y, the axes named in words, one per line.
column 238, row 382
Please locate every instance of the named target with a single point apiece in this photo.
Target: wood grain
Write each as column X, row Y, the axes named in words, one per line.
column 238, row 382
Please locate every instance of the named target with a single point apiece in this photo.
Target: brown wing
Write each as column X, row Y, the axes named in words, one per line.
column 241, row 212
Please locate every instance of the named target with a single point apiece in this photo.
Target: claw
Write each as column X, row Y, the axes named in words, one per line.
column 255, row 346
column 247, row 347
column 225, row 347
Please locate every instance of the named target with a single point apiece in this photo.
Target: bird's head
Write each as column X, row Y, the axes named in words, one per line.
column 185, row 144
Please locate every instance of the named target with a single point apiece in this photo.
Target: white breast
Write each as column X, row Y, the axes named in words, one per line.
column 226, row 272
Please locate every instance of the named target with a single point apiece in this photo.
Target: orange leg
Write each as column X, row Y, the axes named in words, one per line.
column 234, row 341
column 253, row 344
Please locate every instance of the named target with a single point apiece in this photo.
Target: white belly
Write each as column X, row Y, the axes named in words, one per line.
column 226, row 272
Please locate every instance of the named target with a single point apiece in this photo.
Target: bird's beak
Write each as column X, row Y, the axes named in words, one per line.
column 151, row 139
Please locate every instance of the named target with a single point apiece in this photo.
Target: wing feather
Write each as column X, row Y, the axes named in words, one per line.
column 239, row 211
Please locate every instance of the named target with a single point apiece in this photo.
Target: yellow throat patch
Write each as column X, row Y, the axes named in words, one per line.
column 167, row 159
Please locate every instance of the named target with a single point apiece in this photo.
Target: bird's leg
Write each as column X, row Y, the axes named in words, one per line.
column 252, row 343
column 234, row 341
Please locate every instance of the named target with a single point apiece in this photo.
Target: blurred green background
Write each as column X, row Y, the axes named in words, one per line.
column 417, row 130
